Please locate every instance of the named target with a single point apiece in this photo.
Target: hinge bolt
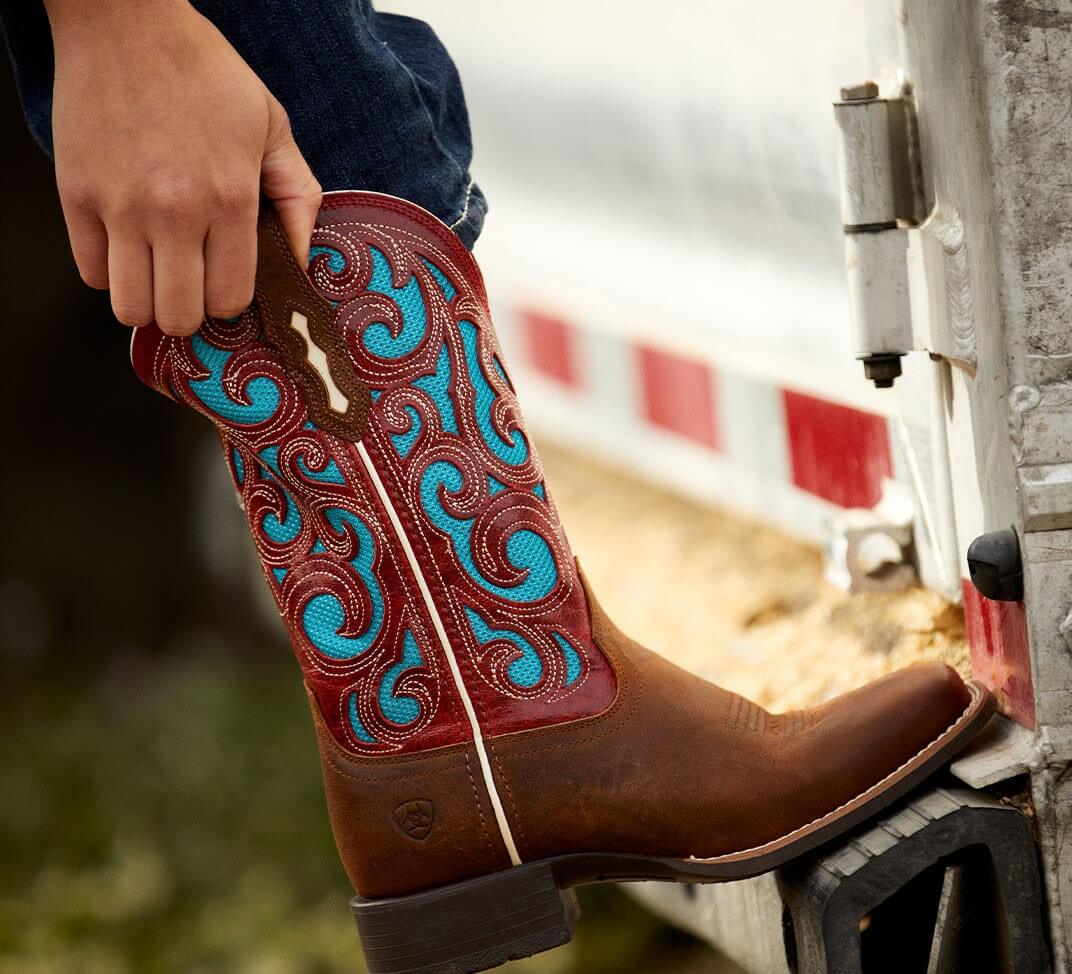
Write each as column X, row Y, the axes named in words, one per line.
column 882, row 369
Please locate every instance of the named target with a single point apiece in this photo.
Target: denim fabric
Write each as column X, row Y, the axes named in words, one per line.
column 374, row 99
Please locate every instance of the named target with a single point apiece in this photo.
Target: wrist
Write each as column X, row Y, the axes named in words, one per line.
column 112, row 22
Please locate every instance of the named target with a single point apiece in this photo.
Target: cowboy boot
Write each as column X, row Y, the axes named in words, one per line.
column 488, row 738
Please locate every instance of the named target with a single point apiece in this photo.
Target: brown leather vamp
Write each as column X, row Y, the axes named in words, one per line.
column 408, row 822
column 679, row 767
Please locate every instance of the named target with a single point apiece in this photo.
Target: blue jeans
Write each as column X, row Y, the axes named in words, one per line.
column 374, row 99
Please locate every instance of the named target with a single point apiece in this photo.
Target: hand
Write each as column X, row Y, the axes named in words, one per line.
column 164, row 139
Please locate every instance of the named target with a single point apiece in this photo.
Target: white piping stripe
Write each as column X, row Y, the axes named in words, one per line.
column 452, row 662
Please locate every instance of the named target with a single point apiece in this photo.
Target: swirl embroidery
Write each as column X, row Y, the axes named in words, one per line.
column 326, row 554
column 446, row 437
column 446, row 424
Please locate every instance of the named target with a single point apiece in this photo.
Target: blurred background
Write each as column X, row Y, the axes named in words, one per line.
column 160, row 798
column 161, row 806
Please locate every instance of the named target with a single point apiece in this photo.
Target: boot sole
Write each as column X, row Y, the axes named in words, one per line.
column 478, row 924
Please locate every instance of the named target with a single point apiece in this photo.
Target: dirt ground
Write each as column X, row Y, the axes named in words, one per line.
column 739, row 603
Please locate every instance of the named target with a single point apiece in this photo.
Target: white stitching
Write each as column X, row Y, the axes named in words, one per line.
column 487, row 347
column 452, row 662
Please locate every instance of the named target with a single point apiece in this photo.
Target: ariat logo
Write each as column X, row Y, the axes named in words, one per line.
column 415, row 818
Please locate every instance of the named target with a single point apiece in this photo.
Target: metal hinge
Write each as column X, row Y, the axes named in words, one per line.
column 907, row 269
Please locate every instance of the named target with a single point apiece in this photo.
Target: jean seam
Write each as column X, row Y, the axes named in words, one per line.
column 420, row 98
column 465, row 209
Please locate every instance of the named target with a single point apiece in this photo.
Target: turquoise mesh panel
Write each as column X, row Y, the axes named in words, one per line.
column 336, row 261
column 441, row 279
column 356, row 725
column 525, row 671
column 286, row 530
column 525, row 549
column 331, row 474
column 401, row 709
column 437, row 385
column 377, row 337
column 516, row 450
column 323, row 616
column 573, row 660
column 262, row 392
column 529, row 553
column 239, row 466
column 404, row 441
column 269, row 456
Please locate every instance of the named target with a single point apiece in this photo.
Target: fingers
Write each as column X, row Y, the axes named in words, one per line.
column 287, row 180
column 130, row 277
column 298, row 216
column 183, row 249
column 89, row 245
column 190, row 259
column 179, row 283
column 231, row 263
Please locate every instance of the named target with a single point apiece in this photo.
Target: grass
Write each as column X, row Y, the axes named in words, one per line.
column 163, row 812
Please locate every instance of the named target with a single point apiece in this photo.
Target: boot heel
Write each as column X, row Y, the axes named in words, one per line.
column 469, row 926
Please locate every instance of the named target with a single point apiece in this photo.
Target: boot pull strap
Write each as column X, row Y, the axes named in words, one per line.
column 298, row 323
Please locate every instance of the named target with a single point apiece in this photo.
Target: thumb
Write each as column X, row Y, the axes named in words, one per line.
column 287, row 181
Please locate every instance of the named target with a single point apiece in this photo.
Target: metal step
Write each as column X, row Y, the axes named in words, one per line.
column 944, row 882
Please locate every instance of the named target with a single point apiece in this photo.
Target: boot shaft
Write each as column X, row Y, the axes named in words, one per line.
column 397, row 503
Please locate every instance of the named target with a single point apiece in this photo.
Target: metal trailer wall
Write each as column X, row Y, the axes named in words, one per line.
column 664, row 178
column 665, row 256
